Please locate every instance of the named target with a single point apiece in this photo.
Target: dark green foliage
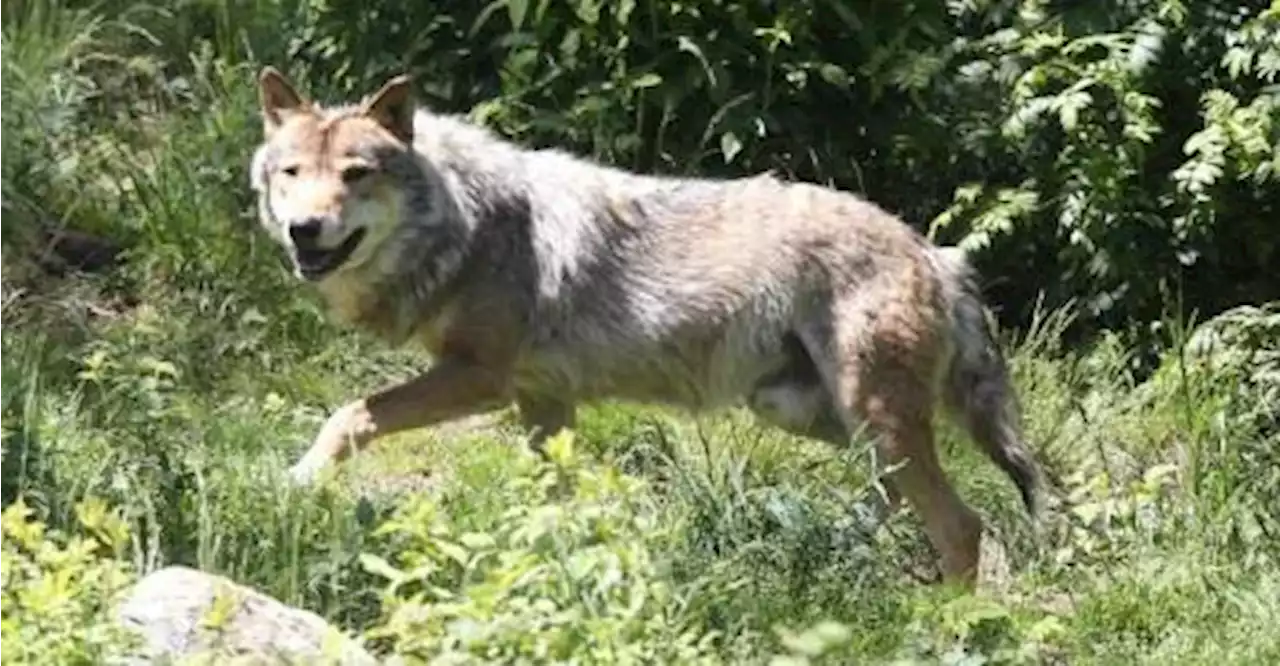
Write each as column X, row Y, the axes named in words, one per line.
column 1122, row 155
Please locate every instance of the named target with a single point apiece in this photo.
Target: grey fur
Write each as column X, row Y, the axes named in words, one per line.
column 699, row 293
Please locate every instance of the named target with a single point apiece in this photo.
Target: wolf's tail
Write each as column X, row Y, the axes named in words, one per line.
column 976, row 387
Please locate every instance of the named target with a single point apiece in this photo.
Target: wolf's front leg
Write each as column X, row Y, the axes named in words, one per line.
column 452, row 389
column 543, row 416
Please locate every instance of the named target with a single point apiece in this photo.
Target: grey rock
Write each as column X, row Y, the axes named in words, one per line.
column 183, row 613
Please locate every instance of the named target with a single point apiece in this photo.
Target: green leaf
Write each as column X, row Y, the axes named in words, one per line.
column 689, row 46
column 730, row 146
column 483, row 17
column 517, row 10
column 378, row 566
column 1268, row 64
column 647, row 80
column 452, row 551
column 622, row 11
column 477, row 541
column 817, row 639
column 1069, row 107
column 1237, row 61
column 834, row 74
column 1088, row 512
column 588, row 11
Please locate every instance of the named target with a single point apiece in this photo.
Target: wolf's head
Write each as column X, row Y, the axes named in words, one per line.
column 331, row 182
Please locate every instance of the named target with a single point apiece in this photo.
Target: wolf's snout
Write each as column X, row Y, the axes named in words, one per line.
column 315, row 255
column 305, row 234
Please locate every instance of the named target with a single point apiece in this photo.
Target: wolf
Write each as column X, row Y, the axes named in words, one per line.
column 541, row 279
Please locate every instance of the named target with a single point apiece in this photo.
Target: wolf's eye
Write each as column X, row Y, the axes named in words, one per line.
column 290, row 171
column 353, row 174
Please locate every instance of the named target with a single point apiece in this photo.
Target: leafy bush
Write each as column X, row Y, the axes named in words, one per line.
column 60, row 590
column 1056, row 141
column 1052, row 141
column 571, row 571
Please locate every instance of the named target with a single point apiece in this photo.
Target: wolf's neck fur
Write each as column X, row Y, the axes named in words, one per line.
column 460, row 182
column 473, row 199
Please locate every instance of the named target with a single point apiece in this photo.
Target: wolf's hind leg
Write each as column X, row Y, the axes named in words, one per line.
column 879, row 356
column 796, row 400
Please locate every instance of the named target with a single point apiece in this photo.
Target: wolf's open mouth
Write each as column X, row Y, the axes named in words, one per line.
column 318, row 262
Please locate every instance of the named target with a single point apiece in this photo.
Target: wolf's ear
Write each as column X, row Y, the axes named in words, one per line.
column 392, row 106
column 278, row 99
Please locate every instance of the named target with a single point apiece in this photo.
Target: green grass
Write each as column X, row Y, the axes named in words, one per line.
column 178, row 388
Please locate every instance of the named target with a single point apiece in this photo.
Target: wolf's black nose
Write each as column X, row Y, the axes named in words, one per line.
column 305, row 233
